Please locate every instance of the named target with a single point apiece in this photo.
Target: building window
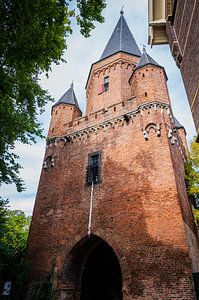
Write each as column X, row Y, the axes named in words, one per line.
column 106, row 83
column 103, row 87
column 93, row 168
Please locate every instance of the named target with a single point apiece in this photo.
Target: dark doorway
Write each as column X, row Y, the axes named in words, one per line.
column 102, row 278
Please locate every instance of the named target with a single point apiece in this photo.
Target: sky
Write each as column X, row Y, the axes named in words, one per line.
column 80, row 54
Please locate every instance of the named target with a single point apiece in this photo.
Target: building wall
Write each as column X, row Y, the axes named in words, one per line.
column 143, row 225
column 183, row 37
column 146, row 82
column 137, row 206
column 119, row 69
column 62, row 114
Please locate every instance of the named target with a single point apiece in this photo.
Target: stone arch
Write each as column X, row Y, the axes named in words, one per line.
column 91, row 267
column 152, row 127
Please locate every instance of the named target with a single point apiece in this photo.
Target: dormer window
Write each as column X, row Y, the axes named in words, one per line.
column 106, row 83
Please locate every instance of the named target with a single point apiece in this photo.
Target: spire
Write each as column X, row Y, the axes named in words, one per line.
column 69, row 98
column 146, row 60
column 177, row 124
column 121, row 40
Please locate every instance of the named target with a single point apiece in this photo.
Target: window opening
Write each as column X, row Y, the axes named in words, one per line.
column 106, row 83
column 93, row 168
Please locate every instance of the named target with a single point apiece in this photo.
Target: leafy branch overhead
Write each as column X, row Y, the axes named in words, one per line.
column 33, row 35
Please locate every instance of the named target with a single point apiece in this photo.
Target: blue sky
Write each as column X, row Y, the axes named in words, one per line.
column 80, row 54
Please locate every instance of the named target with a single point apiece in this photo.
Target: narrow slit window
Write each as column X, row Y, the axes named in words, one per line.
column 93, row 168
column 106, row 83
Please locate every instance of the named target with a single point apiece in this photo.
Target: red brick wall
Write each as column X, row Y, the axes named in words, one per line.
column 183, row 38
column 136, row 211
column 146, row 82
column 137, row 206
column 119, row 69
column 62, row 114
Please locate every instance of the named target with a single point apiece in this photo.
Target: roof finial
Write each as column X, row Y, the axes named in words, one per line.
column 143, row 47
column 72, row 84
column 122, row 10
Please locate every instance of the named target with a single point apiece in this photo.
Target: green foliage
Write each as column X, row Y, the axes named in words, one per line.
column 3, row 216
column 196, row 216
column 14, row 233
column 192, row 171
column 33, row 36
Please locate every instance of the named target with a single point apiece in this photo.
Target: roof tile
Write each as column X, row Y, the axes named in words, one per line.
column 121, row 40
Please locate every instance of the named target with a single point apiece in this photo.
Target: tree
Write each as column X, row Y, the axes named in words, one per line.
column 192, row 175
column 12, row 247
column 33, row 36
column 3, row 216
column 192, row 170
column 16, row 231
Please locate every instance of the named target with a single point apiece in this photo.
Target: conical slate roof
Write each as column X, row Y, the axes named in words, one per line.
column 69, row 98
column 121, row 40
column 146, row 60
column 177, row 124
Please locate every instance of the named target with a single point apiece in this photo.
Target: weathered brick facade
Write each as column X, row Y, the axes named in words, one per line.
column 143, row 243
column 183, row 37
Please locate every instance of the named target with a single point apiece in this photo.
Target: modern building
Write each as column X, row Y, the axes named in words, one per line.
column 111, row 218
column 175, row 22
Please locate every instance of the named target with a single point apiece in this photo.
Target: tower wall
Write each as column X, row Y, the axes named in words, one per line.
column 61, row 115
column 149, row 82
column 140, row 208
column 119, row 68
column 135, row 211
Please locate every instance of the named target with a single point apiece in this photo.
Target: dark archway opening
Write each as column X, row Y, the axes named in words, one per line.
column 101, row 278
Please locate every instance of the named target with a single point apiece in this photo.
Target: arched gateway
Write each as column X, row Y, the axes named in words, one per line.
column 92, row 271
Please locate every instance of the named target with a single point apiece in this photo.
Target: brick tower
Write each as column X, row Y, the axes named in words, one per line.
column 112, row 220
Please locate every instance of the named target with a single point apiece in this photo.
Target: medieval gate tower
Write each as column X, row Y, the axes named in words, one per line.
column 112, row 220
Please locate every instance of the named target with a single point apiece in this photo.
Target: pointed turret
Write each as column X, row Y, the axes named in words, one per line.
column 64, row 111
column 178, row 125
column 121, row 40
column 182, row 134
column 146, row 59
column 107, row 82
column 148, row 81
column 68, row 98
